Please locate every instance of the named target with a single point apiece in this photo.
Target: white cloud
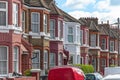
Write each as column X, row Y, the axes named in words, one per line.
column 102, row 5
column 102, row 9
column 78, row 3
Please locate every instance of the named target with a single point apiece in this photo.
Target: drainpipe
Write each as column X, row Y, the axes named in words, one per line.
column 118, row 43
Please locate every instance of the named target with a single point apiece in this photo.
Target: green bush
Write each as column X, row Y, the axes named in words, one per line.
column 27, row 72
column 85, row 68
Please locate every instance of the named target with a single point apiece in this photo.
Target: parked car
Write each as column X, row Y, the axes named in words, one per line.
column 112, row 77
column 93, row 76
column 66, row 73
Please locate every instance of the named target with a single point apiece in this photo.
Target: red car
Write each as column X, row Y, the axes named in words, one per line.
column 66, row 73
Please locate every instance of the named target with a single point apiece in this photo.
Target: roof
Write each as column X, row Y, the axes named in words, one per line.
column 54, row 9
column 37, row 3
column 93, row 26
column 103, row 29
column 68, row 17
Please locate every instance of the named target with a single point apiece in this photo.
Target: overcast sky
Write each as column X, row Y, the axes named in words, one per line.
column 102, row 9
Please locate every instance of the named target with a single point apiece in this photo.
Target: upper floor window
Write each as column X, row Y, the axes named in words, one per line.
column 52, row 29
column 35, row 22
column 60, row 29
column 45, row 23
column 81, row 37
column 3, row 13
column 15, row 14
column 86, row 37
column 15, row 59
column 3, row 60
column 93, row 40
column 78, row 34
column 111, row 45
column 23, row 21
column 103, row 44
column 36, row 59
column 70, row 34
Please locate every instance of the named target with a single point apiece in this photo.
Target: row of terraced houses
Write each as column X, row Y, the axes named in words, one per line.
column 36, row 34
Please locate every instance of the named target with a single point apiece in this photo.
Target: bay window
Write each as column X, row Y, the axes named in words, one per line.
column 35, row 22
column 52, row 29
column 3, row 14
column 70, row 34
column 15, row 59
column 15, row 14
column 36, row 59
column 3, row 60
column 45, row 23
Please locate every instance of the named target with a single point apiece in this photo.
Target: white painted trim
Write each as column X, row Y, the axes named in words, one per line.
column 35, row 70
column 17, row 58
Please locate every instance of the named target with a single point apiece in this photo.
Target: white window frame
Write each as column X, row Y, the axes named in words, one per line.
column 60, row 59
column 86, row 37
column 71, row 59
column 5, row 10
column 52, row 59
column 103, row 63
column 112, row 46
column 78, row 34
column 81, row 37
column 93, row 40
column 103, row 44
column 59, row 29
column 45, row 23
column 23, row 21
column 45, row 59
column 35, row 23
column 16, row 60
column 6, row 62
column 70, row 34
column 15, row 14
column 36, row 56
column 82, row 60
column 52, row 30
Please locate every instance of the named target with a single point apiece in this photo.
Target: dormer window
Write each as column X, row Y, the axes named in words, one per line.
column 3, row 15
column 15, row 14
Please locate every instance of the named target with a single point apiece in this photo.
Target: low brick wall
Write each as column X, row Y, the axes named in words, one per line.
column 20, row 78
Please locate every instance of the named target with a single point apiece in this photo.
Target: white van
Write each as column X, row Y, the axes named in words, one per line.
column 112, row 77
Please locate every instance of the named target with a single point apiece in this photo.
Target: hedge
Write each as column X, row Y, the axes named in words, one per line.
column 85, row 68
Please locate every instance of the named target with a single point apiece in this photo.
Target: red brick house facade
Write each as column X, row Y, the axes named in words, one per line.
column 12, row 46
column 103, row 44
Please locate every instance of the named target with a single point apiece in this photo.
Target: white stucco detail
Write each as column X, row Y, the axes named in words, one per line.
column 74, row 47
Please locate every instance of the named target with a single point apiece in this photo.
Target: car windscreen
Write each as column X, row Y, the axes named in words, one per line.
column 90, row 77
